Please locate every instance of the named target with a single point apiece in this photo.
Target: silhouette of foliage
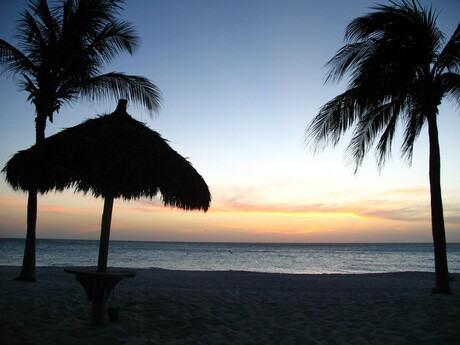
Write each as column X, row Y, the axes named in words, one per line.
column 399, row 69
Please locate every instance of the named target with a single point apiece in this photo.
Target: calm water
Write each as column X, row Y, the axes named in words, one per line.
column 260, row 257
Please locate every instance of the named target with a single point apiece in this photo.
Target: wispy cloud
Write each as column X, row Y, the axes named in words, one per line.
column 274, row 228
column 397, row 204
column 65, row 209
column 416, row 191
column 12, row 202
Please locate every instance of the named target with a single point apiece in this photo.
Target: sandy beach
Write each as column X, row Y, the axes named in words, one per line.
column 184, row 307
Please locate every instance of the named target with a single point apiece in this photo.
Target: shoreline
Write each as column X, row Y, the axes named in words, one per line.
column 161, row 306
column 96, row 239
column 283, row 258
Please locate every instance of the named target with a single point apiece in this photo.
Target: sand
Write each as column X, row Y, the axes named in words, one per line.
column 182, row 307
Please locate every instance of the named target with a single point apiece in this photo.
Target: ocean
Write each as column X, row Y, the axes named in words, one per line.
column 256, row 257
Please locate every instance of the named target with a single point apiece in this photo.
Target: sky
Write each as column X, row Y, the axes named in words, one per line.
column 241, row 80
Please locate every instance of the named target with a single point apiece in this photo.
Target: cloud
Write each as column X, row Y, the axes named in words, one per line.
column 408, row 205
column 12, row 202
column 406, row 214
column 416, row 191
column 65, row 209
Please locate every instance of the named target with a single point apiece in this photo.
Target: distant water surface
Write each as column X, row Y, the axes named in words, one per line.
column 258, row 257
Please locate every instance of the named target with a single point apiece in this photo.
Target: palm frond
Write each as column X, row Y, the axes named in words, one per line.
column 383, row 148
column 450, row 84
column 13, row 61
column 29, row 86
column 414, row 124
column 30, row 36
column 348, row 57
column 115, row 38
column 136, row 89
column 87, row 17
column 334, row 119
column 449, row 57
column 50, row 22
column 373, row 120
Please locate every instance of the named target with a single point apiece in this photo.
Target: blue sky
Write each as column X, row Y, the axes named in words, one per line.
column 241, row 80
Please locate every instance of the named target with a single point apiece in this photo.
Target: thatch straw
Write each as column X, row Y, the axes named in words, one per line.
column 112, row 155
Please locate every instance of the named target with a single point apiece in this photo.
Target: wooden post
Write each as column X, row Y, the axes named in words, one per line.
column 105, row 234
column 99, row 302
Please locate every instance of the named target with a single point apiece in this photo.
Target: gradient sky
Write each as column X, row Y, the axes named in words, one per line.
column 241, row 80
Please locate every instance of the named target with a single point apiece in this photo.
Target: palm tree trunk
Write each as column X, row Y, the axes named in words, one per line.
column 40, row 125
column 28, row 261
column 437, row 216
column 105, row 234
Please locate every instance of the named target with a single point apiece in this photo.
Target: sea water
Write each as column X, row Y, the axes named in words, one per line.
column 257, row 257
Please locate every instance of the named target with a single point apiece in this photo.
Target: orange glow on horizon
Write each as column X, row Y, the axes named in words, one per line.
column 71, row 216
column 286, row 213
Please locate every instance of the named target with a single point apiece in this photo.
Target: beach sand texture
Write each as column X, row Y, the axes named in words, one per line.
column 183, row 307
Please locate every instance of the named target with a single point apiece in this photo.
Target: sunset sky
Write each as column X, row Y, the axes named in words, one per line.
column 241, row 80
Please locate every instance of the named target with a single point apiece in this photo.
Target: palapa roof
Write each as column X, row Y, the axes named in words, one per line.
column 110, row 155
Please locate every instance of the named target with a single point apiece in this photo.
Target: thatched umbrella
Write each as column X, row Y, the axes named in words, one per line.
column 112, row 156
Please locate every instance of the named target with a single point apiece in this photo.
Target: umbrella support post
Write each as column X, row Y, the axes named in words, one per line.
column 105, row 234
column 98, row 286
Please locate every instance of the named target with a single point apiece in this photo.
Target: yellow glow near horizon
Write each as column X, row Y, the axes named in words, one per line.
column 69, row 215
column 327, row 214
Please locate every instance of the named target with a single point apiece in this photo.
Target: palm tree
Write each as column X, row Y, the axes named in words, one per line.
column 62, row 53
column 400, row 70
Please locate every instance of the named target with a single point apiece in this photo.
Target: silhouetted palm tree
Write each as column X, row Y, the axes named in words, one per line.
column 400, row 68
column 61, row 54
